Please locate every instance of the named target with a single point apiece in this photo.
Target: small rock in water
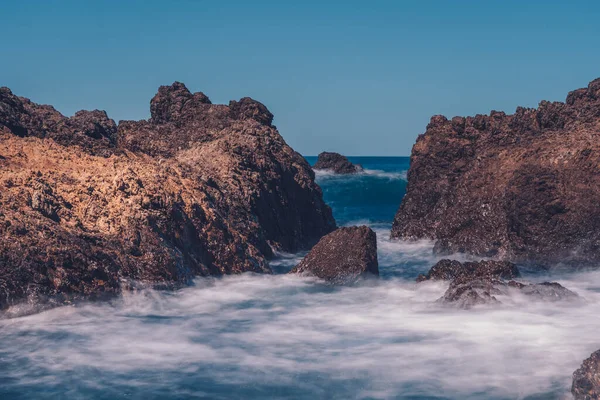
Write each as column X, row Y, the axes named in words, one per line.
column 342, row 256
column 477, row 283
column 586, row 380
column 336, row 162
column 447, row 270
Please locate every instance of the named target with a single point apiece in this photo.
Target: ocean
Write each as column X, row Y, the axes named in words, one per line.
column 277, row 336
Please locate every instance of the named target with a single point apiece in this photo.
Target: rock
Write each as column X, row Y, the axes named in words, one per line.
column 545, row 291
column 342, row 256
column 448, row 270
column 519, row 188
column 89, row 208
column 467, row 293
column 477, row 283
column 337, row 163
column 586, row 380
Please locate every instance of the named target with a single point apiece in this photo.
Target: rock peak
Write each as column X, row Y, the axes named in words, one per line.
column 247, row 107
column 168, row 104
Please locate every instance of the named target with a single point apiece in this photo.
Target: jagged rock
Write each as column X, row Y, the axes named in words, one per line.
column 342, row 256
column 586, row 380
column 448, row 270
column 521, row 188
column 199, row 189
column 337, row 163
column 477, row 283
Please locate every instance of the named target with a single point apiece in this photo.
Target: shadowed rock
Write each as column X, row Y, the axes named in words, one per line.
column 87, row 208
column 586, row 380
column 448, row 270
column 521, row 187
column 336, row 163
column 342, row 256
column 478, row 283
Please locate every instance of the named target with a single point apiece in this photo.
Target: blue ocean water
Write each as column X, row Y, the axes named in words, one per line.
column 256, row 336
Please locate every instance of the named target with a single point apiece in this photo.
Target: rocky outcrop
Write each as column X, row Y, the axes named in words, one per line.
column 336, row 163
column 342, row 256
column 478, row 283
column 87, row 208
column 521, row 187
column 586, row 380
column 448, row 270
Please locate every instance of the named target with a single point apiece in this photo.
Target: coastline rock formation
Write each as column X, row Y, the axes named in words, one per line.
column 586, row 380
column 521, row 187
column 336, row 163
column 343, row 256
column 87, row 208
column 477, row 283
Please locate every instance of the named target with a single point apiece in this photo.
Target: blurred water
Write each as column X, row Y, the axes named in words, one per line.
column 279, row 336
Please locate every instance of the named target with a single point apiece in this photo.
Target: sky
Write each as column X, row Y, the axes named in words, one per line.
column 356, row 77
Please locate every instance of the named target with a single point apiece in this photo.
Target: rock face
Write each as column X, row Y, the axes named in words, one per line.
column 586, row 380
column 87, row 208
column 342, row 256
column 337, row 163
column 448, row 270
column 521, row 187
column 477, row 283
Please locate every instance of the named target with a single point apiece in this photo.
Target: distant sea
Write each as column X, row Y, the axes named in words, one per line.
column 277, row 336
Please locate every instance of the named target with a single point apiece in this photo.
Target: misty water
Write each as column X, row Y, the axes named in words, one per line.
column 280, row 336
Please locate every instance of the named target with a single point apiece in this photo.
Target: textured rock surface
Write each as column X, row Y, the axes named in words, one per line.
column 199, row 189
column 337, row 163
column 586, row 380
column 448, row 270
column 478, row 283
column 520, row 187
column 342, row 256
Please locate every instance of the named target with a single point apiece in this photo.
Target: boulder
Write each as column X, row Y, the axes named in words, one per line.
column 586, row 380
column 448, row 270
column 520, row 188
column 478, row 283
column 336, row 163
column 342, row 256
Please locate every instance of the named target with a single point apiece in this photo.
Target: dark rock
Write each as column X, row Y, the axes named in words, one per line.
column 521, row 188
column 448, row 270
column 337, row 163
column 586, row 380
column 477, row 283
column 467, row 293
column 342, row 256
column 545, row 291
column 249, row 108
column 199, row 189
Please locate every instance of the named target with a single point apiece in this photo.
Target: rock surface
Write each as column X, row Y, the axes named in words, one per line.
column 336, row 163
column 478, row 283
column 521, row 187
column 448, row 270
column 87, row 208
column 342, row 256
column 586, row 380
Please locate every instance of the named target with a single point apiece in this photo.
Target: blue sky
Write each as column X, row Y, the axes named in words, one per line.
column 357, row 77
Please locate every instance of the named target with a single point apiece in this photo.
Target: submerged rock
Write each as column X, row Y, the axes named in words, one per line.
column 342, row 256
column 477, row 283
column 448, row 270
column 337, row 163
column 200, row 189
column 586, row 380
column 521, row 187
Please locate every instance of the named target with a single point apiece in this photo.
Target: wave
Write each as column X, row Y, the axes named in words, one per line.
column 377, row 173
column 253, row 335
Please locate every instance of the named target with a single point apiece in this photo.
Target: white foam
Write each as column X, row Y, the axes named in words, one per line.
column 329, row 174
column 270, row 329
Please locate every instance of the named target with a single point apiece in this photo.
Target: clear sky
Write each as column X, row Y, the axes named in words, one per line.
column 357, row 77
